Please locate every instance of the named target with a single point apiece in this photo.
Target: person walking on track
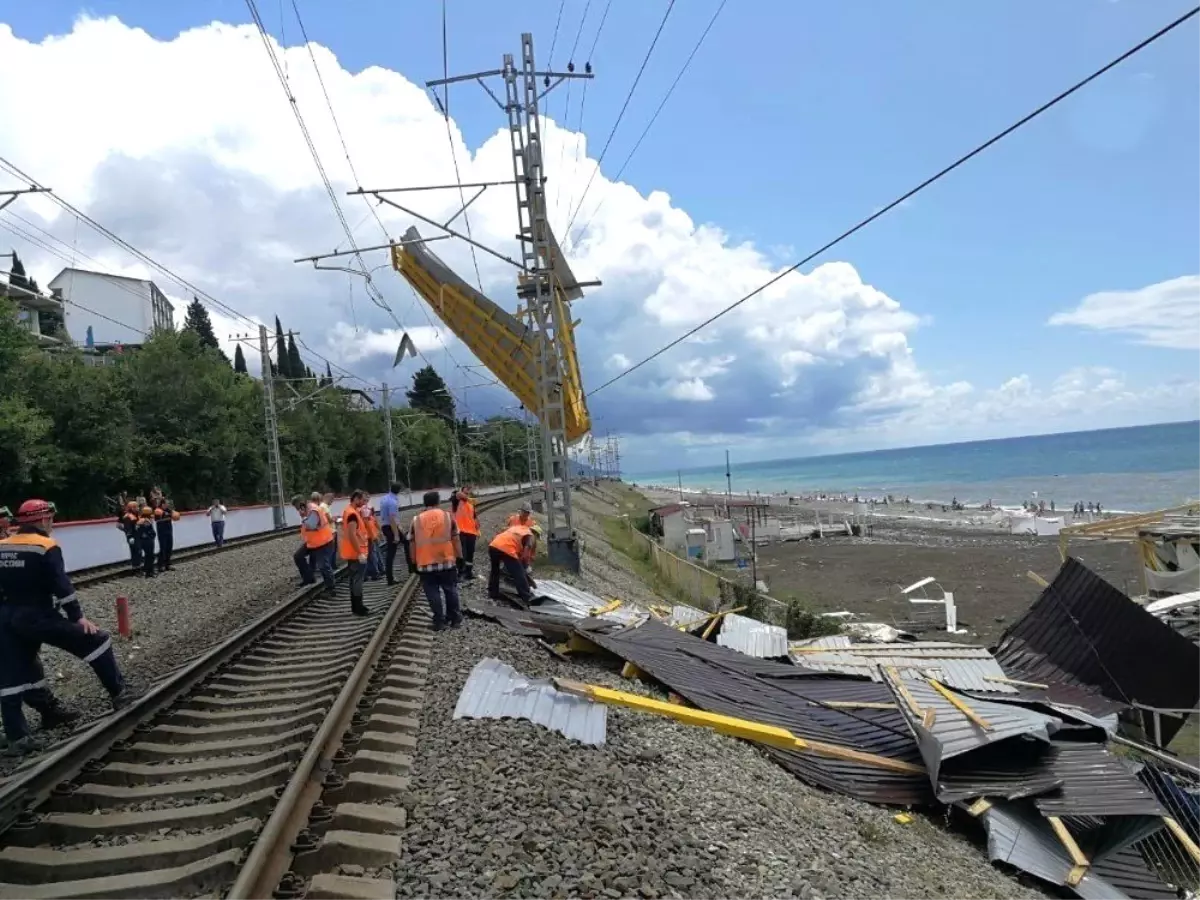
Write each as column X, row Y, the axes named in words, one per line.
column 463, row 508
column 38, row 606
column 436, row 550
column 354, row 548
column 216, row 517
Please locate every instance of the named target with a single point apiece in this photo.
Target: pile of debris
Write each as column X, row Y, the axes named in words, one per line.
column 1022, row 739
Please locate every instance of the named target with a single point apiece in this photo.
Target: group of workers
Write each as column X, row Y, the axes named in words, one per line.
column 438, row 544
column 145, row 522
column 38, row 606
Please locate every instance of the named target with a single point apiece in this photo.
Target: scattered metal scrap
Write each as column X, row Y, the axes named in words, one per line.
column 562, row 599
column 1091, row 647
column 752, row 637
column 495, row 690
column 960, row 666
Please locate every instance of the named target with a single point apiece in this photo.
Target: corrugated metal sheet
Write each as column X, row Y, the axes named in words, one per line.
column 961, row 666
column 1095, row 648
column 683, row 615
column 718, row 679
column 1096, row 783
column 560, row 598
column 1018, row 836
column 752, row 637
column 495, row 690
column 951, row 742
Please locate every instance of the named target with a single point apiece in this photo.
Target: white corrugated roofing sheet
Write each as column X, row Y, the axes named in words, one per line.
column 752, row 637
column 567, row 600
column 960, row 666
column 495, row 690
column 682, row 614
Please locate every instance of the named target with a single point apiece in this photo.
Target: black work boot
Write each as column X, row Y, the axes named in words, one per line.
column 123, row 698
column 57, row 716
column 24, row 746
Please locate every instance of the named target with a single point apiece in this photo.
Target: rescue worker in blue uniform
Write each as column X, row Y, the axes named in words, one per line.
column 128, row 524
column 164, row 527
column 144, row 531
column 38, row 606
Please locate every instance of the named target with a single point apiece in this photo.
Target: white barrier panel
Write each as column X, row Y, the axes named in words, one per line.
column 100, row 542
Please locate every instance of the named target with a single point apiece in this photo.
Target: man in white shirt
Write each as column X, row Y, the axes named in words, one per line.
column 216, row 515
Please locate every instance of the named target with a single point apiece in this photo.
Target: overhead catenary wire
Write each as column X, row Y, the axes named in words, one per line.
column 621, row 114
column 645, row 131
column 962, row 160
column 562, row 145
column 583, row 102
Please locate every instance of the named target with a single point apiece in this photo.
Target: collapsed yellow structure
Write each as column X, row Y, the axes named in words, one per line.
column 502, row 342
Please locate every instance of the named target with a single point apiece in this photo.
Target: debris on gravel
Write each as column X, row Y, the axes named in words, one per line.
column 505, row 808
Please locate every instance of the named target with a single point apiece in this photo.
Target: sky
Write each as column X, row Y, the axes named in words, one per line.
column 1050, row 284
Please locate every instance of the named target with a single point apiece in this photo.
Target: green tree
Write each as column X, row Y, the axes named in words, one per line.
column 430, row 394
column 294, row 363
column 197, row 321
column 16, row 274
column 239, row 361
column 281, row 359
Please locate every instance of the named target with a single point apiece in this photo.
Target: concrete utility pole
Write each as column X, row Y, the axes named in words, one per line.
column 728, row 486
column 274, row 461
column 538, row 284
column 387, row 437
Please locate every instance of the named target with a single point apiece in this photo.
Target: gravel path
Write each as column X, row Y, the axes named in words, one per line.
column 176, row 616
column 663, row 810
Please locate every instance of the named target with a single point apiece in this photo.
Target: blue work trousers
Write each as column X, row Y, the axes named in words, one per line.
column 23, row 630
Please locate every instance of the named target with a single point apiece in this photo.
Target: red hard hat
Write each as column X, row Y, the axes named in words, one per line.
column 35, row 511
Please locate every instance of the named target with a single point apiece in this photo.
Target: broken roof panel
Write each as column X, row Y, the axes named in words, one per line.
column 1096, row 783
column 685, row 616
column 495, row 690
column 807, row 703
column 1093, row 647
column 950, row 738
column 961, row 666
column 568, row 600
column 752, row 637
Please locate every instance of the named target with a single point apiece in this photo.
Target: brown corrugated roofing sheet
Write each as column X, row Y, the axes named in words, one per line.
column 1084, row 638
column 721, row 680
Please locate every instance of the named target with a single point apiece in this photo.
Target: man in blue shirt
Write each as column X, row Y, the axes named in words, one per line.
column 393, row 532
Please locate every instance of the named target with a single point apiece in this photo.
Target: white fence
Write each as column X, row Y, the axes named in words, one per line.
column 98, row 542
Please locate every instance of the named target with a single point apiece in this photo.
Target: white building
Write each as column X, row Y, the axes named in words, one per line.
column 103, row 309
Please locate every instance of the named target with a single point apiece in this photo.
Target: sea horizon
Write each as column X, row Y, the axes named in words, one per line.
column 1129, row 469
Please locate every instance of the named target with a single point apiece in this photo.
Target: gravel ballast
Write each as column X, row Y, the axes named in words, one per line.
column 506, row 808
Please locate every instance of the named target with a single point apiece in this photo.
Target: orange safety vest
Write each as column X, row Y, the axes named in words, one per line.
column 515, row 519
column 351, row 550
column 323, row 533
column 433, row 539
column 512, row 540
column 372, row 525
column 464, row 517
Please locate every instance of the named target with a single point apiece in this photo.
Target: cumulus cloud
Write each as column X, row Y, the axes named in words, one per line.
column 1166, row 314
column 202, row 166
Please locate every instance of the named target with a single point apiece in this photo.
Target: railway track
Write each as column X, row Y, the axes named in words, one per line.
column 274, row 765
column 110, row 572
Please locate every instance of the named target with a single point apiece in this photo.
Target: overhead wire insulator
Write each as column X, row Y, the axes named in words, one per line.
column 570, row 67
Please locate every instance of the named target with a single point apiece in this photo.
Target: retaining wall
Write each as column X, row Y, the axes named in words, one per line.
column 98, row 542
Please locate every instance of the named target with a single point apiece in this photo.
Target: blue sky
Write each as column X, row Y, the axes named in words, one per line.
column 797, row 119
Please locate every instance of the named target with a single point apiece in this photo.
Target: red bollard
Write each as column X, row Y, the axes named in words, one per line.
column 124, row 624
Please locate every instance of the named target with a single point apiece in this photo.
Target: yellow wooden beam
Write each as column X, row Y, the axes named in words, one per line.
column 771, row 735
column 959, row 704
column 854, row 704
column 979, row 807
column 1037, row 579
column 629, row 670
column 578, row 644
column 1080, row 861
column 1029, row 684
column 606, row 608
column 1183, row 837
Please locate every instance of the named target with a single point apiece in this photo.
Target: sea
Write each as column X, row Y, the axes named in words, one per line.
column 1136, row 469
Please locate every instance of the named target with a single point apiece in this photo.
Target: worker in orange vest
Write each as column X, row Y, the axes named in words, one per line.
column 507, row 549
column 434, row 538
column 317, row 550
column 374, row 562
column 523, row 516
column 463, row 508
column 353, row 548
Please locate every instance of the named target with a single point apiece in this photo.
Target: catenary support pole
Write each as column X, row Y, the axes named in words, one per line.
column 274, row 462
column 389, row 448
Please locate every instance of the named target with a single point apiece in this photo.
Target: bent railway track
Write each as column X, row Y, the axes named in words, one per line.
column 274, row 765
column 111, row 571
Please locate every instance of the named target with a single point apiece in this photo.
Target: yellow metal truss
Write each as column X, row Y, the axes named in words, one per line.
column 497, row 338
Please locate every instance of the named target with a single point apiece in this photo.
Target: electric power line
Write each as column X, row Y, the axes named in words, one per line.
column 621, row 114
column 553, row 40
column 1024, row 120
column 583, row 101
column 562, row 146
column 667, row 96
